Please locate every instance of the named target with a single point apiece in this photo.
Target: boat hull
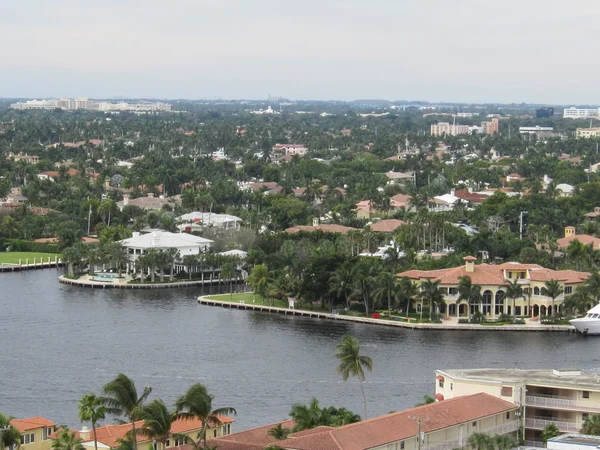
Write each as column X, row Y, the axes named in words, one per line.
column 587, row 326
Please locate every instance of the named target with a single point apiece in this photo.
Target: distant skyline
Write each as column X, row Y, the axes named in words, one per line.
column 469, row 51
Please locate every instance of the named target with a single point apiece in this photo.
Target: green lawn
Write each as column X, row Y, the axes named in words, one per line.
column 13, row 257
column 248, row 297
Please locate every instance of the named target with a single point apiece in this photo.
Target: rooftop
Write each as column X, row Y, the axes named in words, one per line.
column 328, row 228
column 31, row 423
column 165, row 239
column 576, row 438
column 542, row 377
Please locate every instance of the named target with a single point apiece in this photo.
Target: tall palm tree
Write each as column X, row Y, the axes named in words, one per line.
column 228, row 273
column 117, row 255
column 190, row 261
column 363, row 284
column 158, row 421
column 352, row 363
column 172, row 256
column 340, row 282
column 407, row 290
column 259, row 279
column 121, row 399
column 513, row 291
column 91, row 409
column 430, row 291
column 279, row 433
column 9, row 435
column 469, row 292
column 67, row 440
column 591, row 425
column 308, row 416
column 197, row 403
column 386, row 287
column 552, row 289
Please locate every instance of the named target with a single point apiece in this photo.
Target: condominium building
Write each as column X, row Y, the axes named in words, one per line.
column 493, row 280
column 448, row 129
column 565, row 398
column 588, row 132
column 492, row 126
column 29, row 159
column 91, row 105
column 537, row 130
column 579, row 113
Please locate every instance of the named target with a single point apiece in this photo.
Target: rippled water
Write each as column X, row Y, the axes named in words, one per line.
column 59, row 342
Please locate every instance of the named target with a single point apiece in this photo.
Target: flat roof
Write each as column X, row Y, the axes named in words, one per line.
column 576, row 438
column 555, row 377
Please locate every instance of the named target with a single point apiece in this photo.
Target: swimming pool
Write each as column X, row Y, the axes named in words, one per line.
column 108, row 276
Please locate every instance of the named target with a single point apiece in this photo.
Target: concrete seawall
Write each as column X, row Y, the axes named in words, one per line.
column 388, row 323
column 102, row 285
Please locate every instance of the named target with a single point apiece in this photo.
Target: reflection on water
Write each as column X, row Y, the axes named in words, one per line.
column 62, row 341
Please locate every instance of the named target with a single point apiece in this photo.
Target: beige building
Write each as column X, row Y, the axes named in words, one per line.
column 585, row 239
column 492, row 279
column 447, row 129
column 491, row 127
column 443, row 425
column 588, row 132
column 35, row 432
column 564, row 398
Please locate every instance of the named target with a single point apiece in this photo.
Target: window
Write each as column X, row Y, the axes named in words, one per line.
column 508, row 416
column 586, row 394
column 401, row 445
column 506, row 391
column 453, row 291
column 584, row 416
column 536, row 291
column 441, row 383
column 474, row 424
column 228, row 428
column 168, row 444
column 451, row 386
column 568, row 289
column 215, row 432
column 28, row 438
column 181, row 441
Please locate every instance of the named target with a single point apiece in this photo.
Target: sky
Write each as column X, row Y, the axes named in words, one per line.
column 538, row 51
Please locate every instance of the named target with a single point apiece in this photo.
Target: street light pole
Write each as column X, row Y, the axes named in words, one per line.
column 419, row 420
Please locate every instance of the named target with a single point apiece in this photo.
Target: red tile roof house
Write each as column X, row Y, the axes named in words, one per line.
column 387, row 225
column 585, row 239
column 446, row 424
column 34, row 430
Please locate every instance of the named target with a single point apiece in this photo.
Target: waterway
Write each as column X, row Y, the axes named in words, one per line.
column 59, row 342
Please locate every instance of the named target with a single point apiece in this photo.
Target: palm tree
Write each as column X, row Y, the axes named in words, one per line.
column 593, row 285
column 340, row 282
column 481, row 441
column 197, row 403
column 427, row 399
column 259, row 279
column 117, row 255
column 591, row 425
column 228, row 272
column 579, row 301
column 407, row 290
column 514, row 291
column 352, row 363
column 341, row 416
column 91, row 410
column 552, row 289
column 189, row 261
column 309, row 416
column 72, row 257
column 279, row 433
column 158, row 421
column 172, row 256
column 121, row 400
column 387, row 285
column 363, row 284
column 9, row 435
column 430, row 291
column 67, row 440
column 469, row 292
column 503, row 442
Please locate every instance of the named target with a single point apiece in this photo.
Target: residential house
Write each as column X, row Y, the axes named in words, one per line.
column 109, row 436
column 565, row 190
column 364, row 209
column 512, row 178
column 150, row 202
column 316, row 226
column 593, row 215
column 14, row 197
column 492, row 279
column 290, row 149
column 445, row 425
column 387, row 226
column 571, row 236
column 186, row 244
column 53, row 175
column 268, row 187
column 595, row 167
column 399, row 177
column 588, row 132
column 29, row 159
column 197, row 221
column 473, row 198
column 442, row 203
column 35, row 432
column 564, row 398
column 399, row 201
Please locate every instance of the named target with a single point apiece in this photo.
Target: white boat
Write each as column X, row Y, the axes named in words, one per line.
column 590, row 323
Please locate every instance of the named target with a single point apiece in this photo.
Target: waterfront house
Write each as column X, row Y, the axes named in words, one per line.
column 150, row 202
column 109, row 436
column 387, row 226
column 186, row 244
column 585, row 239
column 493, row 279
column 197, row 221
column 444, row 426
column 35, row 432
column 564, row 398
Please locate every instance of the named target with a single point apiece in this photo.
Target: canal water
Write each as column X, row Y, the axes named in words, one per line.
column 60, row 342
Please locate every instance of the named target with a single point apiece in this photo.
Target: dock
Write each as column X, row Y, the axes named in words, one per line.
column 388, row 323
column 36, row 265
column 103, row 285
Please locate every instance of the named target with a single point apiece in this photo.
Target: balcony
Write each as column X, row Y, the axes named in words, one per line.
column 539, row 423
column 556, row 402
column 505, row 428
column 537, row 444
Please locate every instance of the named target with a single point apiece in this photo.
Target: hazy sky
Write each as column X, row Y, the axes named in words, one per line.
column 437, row 50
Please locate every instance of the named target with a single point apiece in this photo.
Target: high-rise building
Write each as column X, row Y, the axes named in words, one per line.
column 578, row 113
column 491, row 127
column 448, row 129
column 544, row 112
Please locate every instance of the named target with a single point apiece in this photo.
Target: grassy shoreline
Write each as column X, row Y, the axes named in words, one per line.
column 13, row 257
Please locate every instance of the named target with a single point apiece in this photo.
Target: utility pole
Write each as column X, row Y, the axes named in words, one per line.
column 420, row 436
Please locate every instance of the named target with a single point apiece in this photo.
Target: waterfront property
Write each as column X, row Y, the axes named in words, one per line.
column 565, row 398
column 444, row 426
column 493, row 280
column 185, row 244
column 198, row 221
column 35, row 432
column 108, row 436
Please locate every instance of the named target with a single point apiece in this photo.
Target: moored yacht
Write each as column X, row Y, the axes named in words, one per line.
column 590, row 323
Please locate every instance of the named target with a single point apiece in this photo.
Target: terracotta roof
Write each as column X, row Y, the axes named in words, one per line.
column 585, row 239
column 469, row 258
column 398, row 426
column 269, row 186
column 488, row 274
column 31, row 423
column 471, row 197
column 329, row 228
column 110, row 434
column 387, row 225
column 253, row 439
column 400, row 201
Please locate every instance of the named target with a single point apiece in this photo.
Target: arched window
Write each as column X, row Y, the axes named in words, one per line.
column 536, row 291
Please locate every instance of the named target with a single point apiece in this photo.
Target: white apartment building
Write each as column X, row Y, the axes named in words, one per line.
column 588, row 132
column 86, row 104
column 564, row 398
column 447, row 129
column 578, row 113
column 537, row 130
